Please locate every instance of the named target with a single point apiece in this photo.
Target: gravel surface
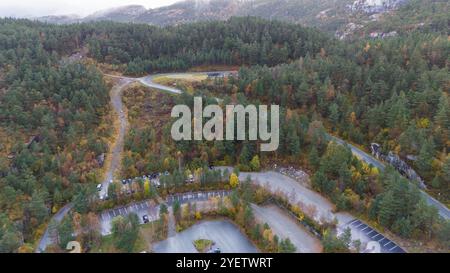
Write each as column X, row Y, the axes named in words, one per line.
column 224, row 234
column 286, row 226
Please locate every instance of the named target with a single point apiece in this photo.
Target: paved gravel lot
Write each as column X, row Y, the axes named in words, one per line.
column 365, row 232
column 225, row 234
column 275, row 181
column 195, row 196
column 140, row 208
column 286, row 226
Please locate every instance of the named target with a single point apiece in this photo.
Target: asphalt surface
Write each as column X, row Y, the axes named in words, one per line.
column 224, row 234
column 359, row 153
column 442, row 209
column 285, row 226
column 365, row 232
column 195, row 197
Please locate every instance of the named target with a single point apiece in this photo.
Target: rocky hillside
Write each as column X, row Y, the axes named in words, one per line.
column 343, row 18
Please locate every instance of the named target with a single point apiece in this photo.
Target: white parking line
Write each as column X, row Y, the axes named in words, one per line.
column 375, row 236
column 370, row 232
column 393, row 248
column 352, row 221
column 357, row 222
column 387, row 243
column 381, row 239
column 359, row 225
column 365, row 228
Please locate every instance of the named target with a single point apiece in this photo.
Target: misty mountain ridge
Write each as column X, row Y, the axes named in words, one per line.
column 301, row 11
column 343, row 18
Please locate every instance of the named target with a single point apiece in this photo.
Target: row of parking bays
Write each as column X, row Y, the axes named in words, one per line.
column 386, row 245
column 139, row 208
column 196, row 196
column 149, row 211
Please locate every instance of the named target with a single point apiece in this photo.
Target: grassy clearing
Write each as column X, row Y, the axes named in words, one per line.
column 153, row 232
column 107, row 245
column 183, row 77
column 202, row 245
column 214, row 68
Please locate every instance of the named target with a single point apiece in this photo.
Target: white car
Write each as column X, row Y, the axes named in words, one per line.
column 99, row 187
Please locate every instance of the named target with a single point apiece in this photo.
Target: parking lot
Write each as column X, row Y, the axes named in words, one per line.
column 195, row 196
column 151, row 209
column 140, row 208
column 386, row 245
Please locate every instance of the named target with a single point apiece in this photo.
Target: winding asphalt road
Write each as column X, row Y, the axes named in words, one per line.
column 115, row 161
column 442, row 209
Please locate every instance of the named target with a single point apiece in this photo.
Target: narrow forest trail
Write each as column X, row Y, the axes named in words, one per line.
column 114, row 156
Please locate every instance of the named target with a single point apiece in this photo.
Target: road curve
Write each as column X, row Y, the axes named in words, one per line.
column 57, row 218
column 114, row 162
column 442, row 209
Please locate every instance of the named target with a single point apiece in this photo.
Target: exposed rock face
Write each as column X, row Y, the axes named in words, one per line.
column 400, row 165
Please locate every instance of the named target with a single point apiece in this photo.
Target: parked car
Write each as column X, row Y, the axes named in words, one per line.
column 145, row 219
column 190, row 179
column 99, row 187
column 124, row 181
column 157, row 183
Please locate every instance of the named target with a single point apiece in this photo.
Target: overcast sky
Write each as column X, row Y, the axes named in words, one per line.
column 30, row 8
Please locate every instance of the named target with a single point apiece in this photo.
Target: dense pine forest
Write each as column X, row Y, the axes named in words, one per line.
column 54, row 113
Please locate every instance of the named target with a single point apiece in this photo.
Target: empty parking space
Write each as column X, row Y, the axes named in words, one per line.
column 387, row 246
